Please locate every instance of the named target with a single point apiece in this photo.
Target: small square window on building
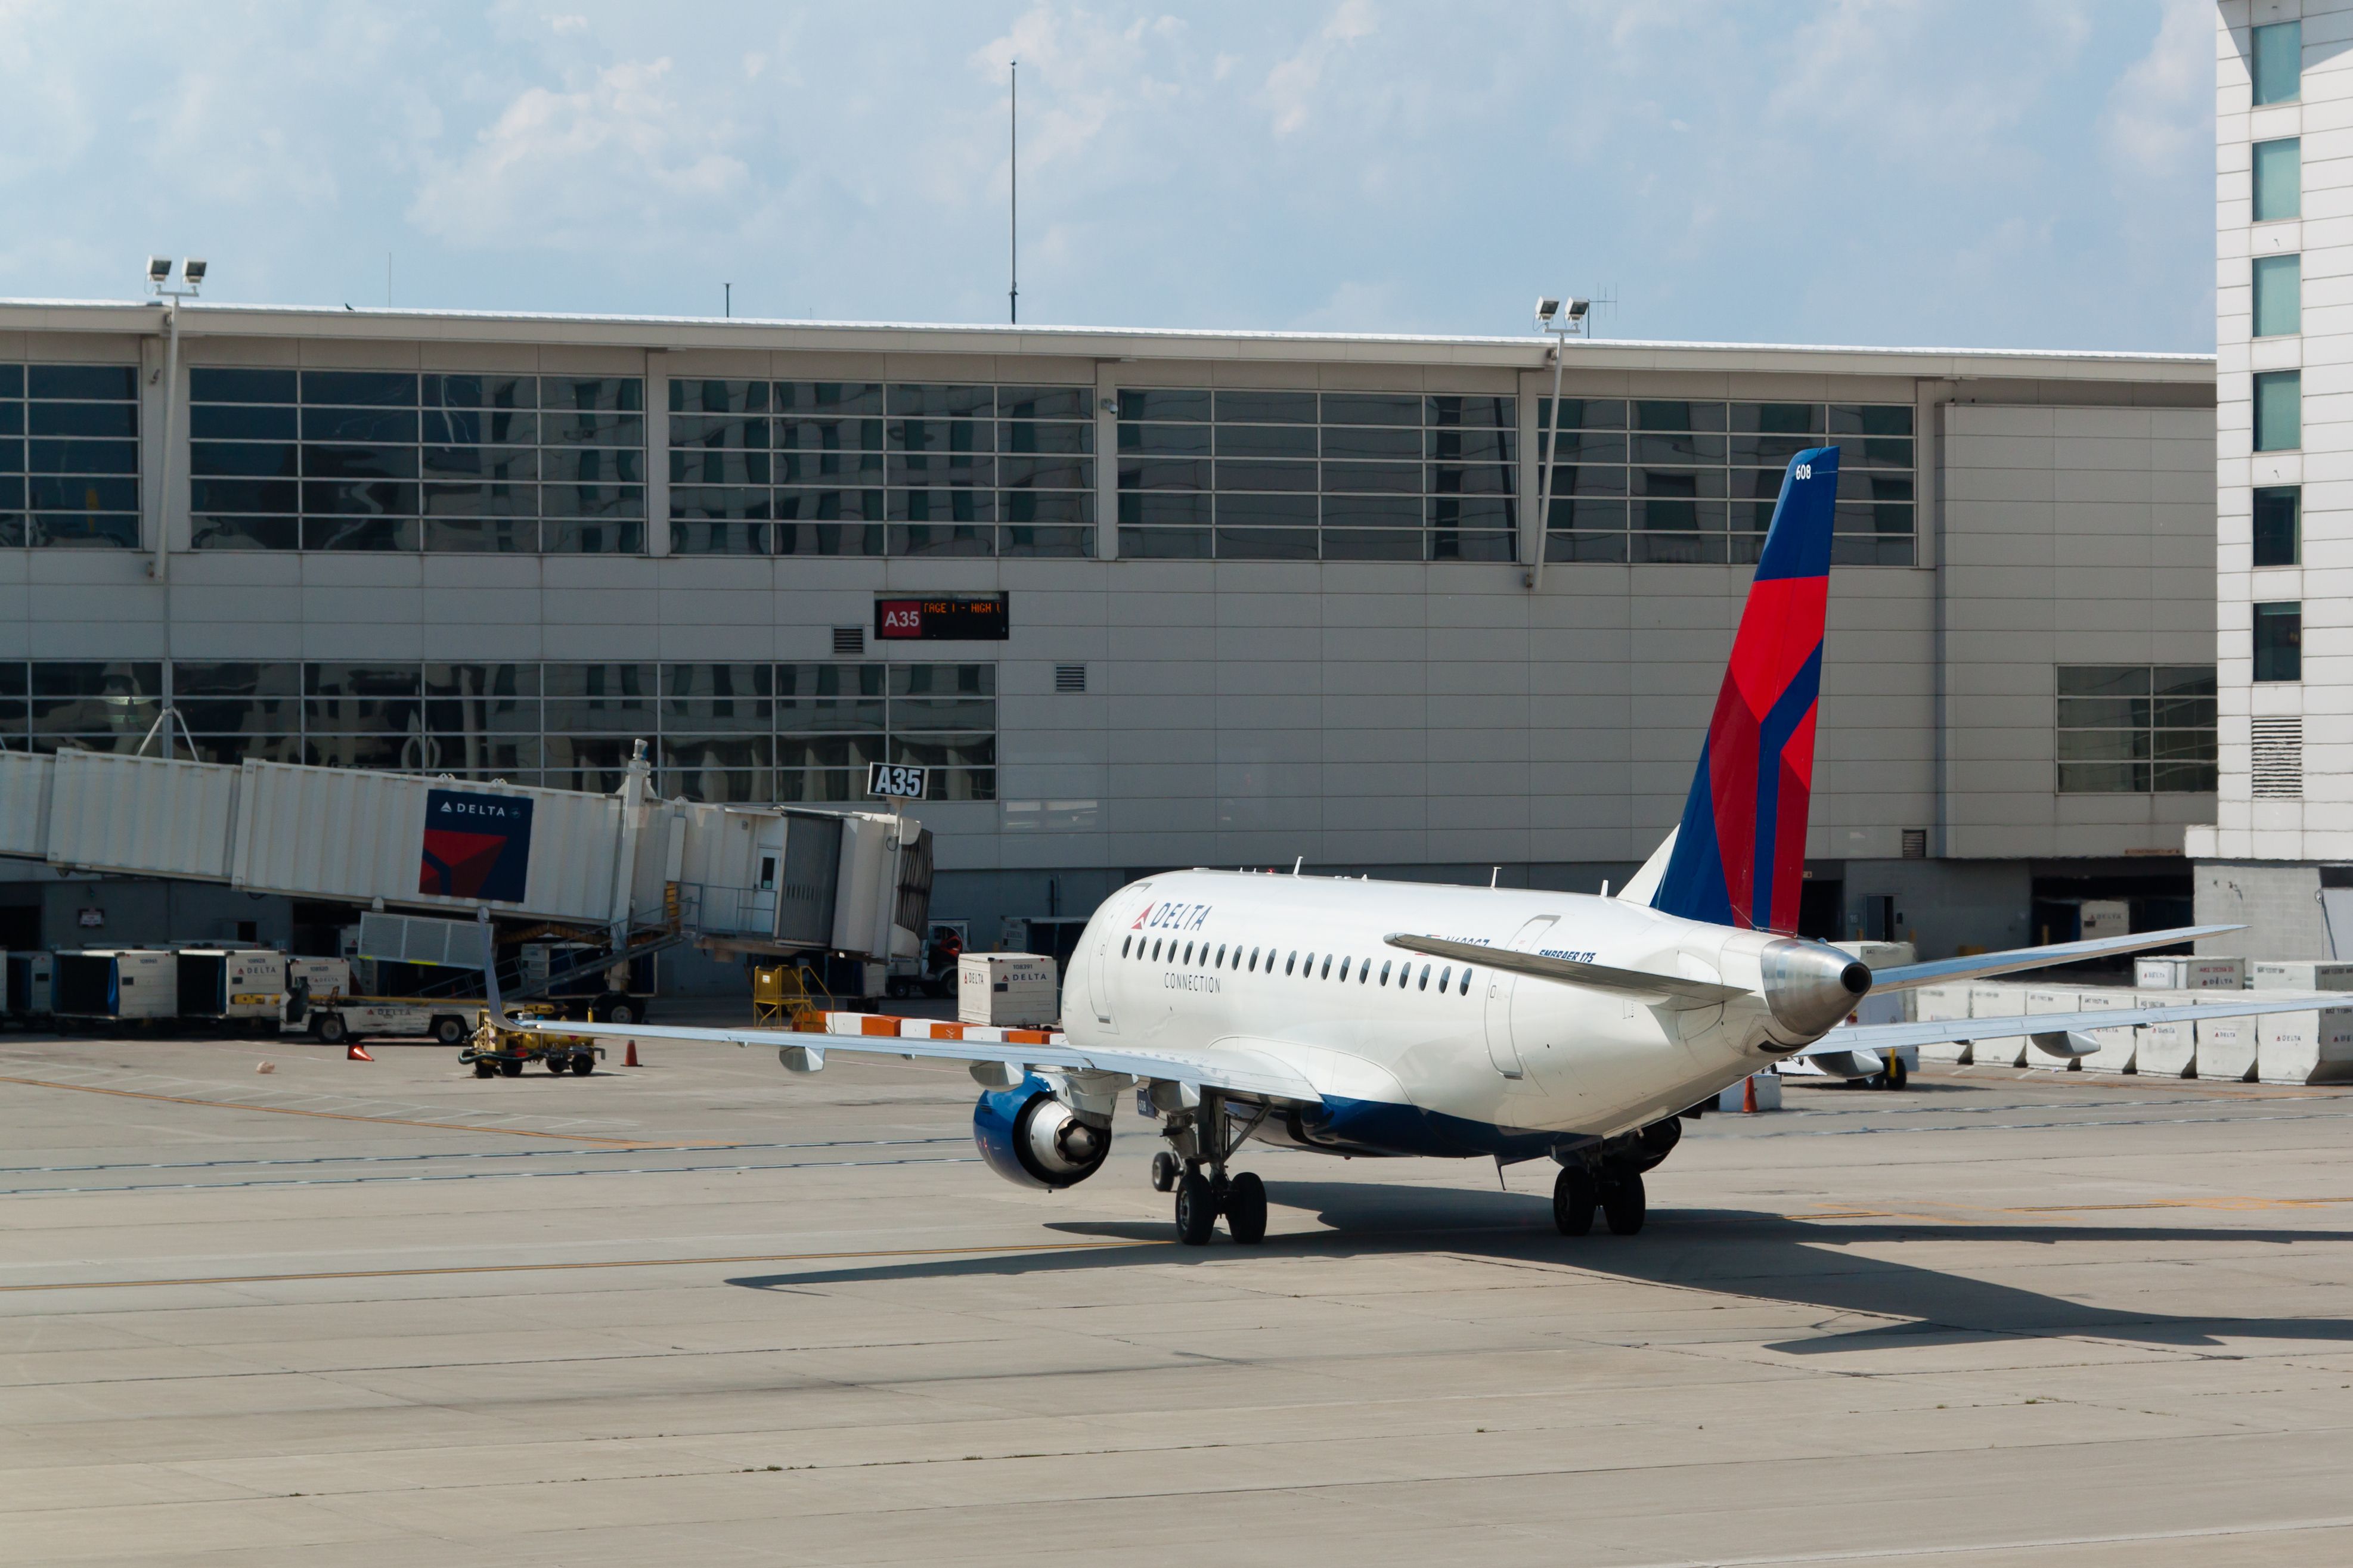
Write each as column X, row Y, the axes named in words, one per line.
column 849, row 640
column 2279, row 642
column 2279, row 295
column 1916, row 844
column 2279, row 179
column 2279, row 410
column 2275, row 60
column 2279, row 511
column 1069, row 678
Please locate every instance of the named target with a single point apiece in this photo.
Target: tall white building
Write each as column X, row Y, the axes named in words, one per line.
column 2284, row 333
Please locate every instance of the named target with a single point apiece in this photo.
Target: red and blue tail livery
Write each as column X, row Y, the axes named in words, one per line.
column 1740, row 855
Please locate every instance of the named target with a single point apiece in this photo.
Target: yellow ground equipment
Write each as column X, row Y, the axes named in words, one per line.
column 496, row 1052
column 786, row 992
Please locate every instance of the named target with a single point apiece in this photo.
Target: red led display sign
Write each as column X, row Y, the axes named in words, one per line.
column 960, row 618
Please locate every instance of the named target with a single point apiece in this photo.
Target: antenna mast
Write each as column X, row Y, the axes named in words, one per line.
column 1012, row 236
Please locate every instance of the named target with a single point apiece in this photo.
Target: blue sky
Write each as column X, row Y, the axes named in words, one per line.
column 2009, row 172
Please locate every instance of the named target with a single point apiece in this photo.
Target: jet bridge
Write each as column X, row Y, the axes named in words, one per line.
column 759, row 879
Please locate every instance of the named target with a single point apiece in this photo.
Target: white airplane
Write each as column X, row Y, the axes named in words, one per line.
column 1365, row 1018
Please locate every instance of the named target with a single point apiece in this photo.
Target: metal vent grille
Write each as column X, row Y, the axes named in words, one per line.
column 850, row 639
column 1916, row 844
column 1069, row 678
column 2279, row 759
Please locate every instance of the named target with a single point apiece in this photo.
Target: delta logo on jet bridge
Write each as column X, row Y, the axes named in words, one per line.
column 476, row 845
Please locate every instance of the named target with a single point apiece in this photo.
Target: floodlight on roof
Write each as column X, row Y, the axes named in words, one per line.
column 194, row 271
column 1546, row 310
column 1577, row 308
column 159, row 268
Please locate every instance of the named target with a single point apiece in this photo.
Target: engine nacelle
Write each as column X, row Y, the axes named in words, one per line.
column 1034, row 1140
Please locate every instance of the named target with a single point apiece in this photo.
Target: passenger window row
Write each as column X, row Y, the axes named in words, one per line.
column 1138, row 948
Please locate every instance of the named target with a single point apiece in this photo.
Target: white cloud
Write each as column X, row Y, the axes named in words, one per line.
column 573, row 22
column 2162, row 110
column 615, row 163
column 1291, row 86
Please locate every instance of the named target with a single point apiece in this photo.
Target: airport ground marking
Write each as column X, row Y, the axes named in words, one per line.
column 338, row 1115
column 1010, row 1246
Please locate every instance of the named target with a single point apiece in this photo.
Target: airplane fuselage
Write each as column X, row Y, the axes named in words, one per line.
column 1415, row 1054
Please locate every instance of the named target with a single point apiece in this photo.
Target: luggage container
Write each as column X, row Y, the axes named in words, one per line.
column 2304, row 1047
column 2038, row 1000
column 229, row 984
column 2165, row 1050
column 2298, row 975
column 138, row 985
column 1016, row 990
column 2226, row 1050
column 1938, row 1004
column 1997, row 1002
column 2119, row 1043
column 29, row 988
column 2178, row 973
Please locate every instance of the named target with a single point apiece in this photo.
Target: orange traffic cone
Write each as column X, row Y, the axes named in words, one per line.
column 355, row 1052
column 1748, row 1095
column 631, row 1059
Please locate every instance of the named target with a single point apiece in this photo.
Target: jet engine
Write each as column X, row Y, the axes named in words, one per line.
column 1033, row 1139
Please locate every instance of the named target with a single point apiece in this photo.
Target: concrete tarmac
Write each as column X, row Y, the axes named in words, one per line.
column 707, row 1312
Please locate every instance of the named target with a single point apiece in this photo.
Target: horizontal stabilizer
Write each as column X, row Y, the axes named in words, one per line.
column 1670, row 990
column 1979, row 965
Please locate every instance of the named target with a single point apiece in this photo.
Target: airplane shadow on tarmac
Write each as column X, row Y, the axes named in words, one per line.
column 1740, row 1254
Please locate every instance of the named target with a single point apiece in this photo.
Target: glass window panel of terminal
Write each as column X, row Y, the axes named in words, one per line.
column 2135, row 728
column 404, row 461
column 1672, row 482
column 807, row 468
column 70, row 455
column 1293, row 474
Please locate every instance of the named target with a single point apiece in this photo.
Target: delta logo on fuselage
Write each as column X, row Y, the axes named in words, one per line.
column 1172, row 917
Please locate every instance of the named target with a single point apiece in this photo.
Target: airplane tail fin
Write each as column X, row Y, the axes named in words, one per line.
column 1740, row 856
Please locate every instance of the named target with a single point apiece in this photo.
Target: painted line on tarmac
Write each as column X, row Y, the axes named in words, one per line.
column 558, row 1268
column 315, row 1160
column 338, row 1115
column 256, row 1181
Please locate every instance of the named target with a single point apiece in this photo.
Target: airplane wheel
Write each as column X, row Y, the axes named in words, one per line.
column 1624, row 1205
column 1572, row 1201
column 1246, row 1209
column 1197, row 1211
column 1164, row 1171
column 1897, row 1074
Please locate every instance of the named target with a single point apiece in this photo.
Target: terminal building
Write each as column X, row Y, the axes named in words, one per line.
column 1137, row 599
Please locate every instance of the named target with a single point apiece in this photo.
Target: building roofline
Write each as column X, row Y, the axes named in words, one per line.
column 1122, row 343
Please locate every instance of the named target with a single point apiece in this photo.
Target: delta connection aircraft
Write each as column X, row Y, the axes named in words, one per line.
column 1360, row 1018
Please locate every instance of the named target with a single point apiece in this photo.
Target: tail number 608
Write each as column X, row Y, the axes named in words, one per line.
column 1802, row 472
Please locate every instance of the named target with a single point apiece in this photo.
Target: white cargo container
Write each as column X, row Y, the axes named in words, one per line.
column 2106, row 917
column 2179, row 973
column 1010, row 989
column 2166, row 1050
column 2226, row 1050
column 2298, row 975
column 141, row 984
column 2304, row 1047
column 29, row 986
column 2118, row 1042
column 1997, row 1002
column 1938, row 1003
column 231, row 983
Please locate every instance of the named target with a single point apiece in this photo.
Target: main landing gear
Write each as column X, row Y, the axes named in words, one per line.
column 1202, row 1194
column 1619, row 1194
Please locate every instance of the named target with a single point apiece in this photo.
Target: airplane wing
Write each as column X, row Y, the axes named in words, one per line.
column 1673, row 990
column 1860, row 1043
column 1979, row 965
